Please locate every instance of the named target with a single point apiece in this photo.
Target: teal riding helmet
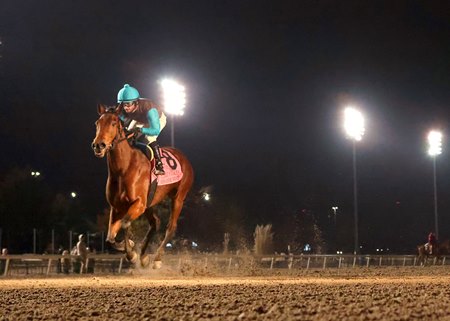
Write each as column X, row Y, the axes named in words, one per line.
column 127, row 93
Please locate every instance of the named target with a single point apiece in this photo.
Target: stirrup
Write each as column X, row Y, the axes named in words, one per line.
column 160, row 170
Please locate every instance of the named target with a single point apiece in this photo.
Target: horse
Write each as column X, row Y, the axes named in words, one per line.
column 440, row 249
column 128, row 183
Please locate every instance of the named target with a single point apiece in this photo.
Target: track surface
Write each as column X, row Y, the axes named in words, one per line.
column 353, row 294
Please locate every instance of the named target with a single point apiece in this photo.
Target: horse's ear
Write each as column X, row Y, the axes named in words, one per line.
column 119, row 108
column 101, row 109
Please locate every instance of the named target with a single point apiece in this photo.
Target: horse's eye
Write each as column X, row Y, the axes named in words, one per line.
column 114, row 123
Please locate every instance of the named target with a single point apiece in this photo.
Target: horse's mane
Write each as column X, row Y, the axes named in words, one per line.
column 111, row 109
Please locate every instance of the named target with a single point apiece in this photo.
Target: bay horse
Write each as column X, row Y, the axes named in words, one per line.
column 128, row 183
column 440, row 249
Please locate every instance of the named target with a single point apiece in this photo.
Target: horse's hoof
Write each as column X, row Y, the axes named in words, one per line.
column 145, row 261
column 131, row 244
column 133, row 259
column 119, row 246
column 126, row 222
column 157, row 265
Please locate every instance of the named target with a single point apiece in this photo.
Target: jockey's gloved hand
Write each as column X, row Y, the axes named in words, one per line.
column 135, row 131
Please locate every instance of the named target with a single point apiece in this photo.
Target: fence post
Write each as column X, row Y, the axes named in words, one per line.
column 6, row 267
column 354, row 261
column 324, row 262
column 271, row 263
column 34, row 241
column 307, row 264
column 103, row 242
column 120, row 264
column 70, row 241
column 53, row 241
column 48, row 266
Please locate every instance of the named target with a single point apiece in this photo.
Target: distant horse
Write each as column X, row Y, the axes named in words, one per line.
column 440, row 249
column 127, row 187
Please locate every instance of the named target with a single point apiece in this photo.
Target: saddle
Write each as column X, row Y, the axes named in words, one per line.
column 173, row 173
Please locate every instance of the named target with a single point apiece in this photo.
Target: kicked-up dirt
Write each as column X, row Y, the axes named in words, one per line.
column 404, row 293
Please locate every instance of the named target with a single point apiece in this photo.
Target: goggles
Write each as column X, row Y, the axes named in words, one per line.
column 128, row 103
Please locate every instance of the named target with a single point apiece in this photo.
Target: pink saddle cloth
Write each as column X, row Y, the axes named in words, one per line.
column 172, row 169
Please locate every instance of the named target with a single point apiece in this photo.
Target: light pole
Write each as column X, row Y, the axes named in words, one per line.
column 334, row 208
column 434, row 149
column 354, row 128
column 174, row 100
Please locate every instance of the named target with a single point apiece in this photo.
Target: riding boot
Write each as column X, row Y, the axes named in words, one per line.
column 159, row 168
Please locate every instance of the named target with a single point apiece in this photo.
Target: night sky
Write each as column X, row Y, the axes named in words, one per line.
column 266, row 85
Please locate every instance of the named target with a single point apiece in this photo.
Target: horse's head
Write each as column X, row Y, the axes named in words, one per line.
column 108, row 130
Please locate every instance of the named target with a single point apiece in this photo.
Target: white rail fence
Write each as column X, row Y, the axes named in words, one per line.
column 32, row 264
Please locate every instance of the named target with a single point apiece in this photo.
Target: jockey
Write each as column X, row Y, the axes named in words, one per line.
column 142, row 116
column 431, row 242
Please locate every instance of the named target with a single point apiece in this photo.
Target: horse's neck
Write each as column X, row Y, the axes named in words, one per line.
column 119, row 158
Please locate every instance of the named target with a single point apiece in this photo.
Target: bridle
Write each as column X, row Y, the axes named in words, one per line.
column 119, row 137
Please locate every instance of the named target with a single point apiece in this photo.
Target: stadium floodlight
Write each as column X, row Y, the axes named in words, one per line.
column 435, row 149
column 174, row 96
column 434, row 143
column 174, row 101
column 354, row 123
column 354, row 128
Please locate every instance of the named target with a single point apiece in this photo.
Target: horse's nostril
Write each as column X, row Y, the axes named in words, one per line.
column 102, row 145
column 93, row 146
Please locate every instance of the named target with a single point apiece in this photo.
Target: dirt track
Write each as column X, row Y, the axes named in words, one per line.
column 351, row 294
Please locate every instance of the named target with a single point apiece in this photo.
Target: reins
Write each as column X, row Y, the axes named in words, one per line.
column 118, row 139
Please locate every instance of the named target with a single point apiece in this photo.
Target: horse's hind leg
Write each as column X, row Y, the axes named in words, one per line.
column 154, row 224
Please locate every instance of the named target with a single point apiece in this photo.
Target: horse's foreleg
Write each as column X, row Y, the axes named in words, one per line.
column 154, row 224
column 171, row 228
column 130, row 253
column 134, row 211
column 113, row 226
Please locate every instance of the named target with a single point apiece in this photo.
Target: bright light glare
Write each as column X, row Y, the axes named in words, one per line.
column 435, row 143
column 206, row 196
column 353, row 123
column 35, row 174
column 73, row 194
column 174, row 97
